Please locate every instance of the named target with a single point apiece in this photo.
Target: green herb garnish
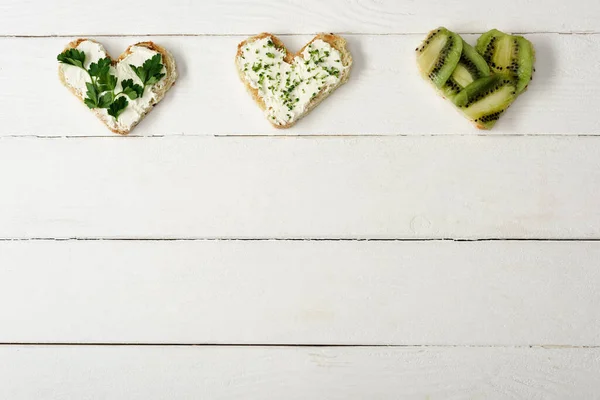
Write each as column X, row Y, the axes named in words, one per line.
column 150, row 72
column 131, row 90
column 101, row 88
column 332, row 71
column 117, row 107
column 72, row 57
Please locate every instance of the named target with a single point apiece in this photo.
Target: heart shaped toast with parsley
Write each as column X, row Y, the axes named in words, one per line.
column 288, row 86
column 120, row 92
column 481, row 81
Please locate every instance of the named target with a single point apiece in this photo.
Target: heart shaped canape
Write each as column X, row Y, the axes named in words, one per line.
column 481, row 82
column 287, row 86
column 119, row 92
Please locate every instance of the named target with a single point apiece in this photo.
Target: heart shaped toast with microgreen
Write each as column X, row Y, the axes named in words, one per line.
column 481, row 81
column 287, row 86
column 120, row 92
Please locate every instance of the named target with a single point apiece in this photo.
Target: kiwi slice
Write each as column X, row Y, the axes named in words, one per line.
column 484, row 100
column 438, row 55
column 508, row 54
column 470, row 67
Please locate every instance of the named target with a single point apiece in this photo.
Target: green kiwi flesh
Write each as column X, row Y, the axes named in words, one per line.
column 484, row 100
column 438, row 55
column 470, row 67
column 508, row 54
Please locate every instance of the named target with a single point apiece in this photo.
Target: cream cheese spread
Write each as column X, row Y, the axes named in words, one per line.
column 76, row 78
column 285, row 88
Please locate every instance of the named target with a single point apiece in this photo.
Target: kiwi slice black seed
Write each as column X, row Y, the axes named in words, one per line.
column 509, row 54
column 484, row 100
column 470, row 67
column 439, row 55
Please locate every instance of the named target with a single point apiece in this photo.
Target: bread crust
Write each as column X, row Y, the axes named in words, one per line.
column 335, row 41
column 171, row 76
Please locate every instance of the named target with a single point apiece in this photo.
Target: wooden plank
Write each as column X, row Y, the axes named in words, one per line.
column 92, row 372
column 315, row 292
column 65, row 17
column 385, row 95
column 394, row 187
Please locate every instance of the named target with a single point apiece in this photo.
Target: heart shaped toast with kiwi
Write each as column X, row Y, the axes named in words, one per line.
column 481, row 81
column 120, row 92
column 288, row 86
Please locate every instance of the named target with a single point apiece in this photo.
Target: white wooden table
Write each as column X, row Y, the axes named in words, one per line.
column 381, row 249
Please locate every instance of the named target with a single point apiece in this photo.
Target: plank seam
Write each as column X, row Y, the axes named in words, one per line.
column 292, row 345
column 275, row 239
column 303, row 136
column 18, row 36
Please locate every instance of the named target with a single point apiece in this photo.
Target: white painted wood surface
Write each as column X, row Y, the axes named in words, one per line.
column 385, row 187
column 257, row 373
column 430, row 176
column 68, row 17
column 384, row 97
column 301, row 292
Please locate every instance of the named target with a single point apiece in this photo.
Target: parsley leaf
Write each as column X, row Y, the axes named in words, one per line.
column 151, row 71
column 101, row 71
column 116, row 107
column 106, row 100
column 132, row 90
column 100, row 68
column 90, row 103
column 72, row 57
column 107, row 82
column 139, row 71
column 92, row 95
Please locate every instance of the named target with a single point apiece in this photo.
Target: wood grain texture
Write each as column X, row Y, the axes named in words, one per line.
column 247, row 292
column 385, row 94
column 395, row 187
column 67, row 17
column 260, row 373
column 430, row 176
